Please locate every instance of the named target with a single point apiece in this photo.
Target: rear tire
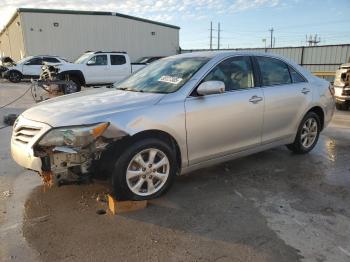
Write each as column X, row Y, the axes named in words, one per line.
column 307, row 136
column 15, row 77
column 148, row 177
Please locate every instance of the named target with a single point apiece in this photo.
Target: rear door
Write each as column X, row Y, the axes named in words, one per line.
column 32, row 67
column 287, row 96
column 119, row 67
column 222, row 124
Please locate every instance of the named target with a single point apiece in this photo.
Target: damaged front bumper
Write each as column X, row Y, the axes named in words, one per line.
column 56, row 164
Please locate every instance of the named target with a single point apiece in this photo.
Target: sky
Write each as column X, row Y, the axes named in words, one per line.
column 243, row 23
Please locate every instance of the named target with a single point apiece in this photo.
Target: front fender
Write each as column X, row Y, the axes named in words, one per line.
column 76, row 73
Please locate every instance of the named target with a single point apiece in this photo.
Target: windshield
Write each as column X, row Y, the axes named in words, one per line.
column 82, row 59
column 24, row 59
column 163, row 76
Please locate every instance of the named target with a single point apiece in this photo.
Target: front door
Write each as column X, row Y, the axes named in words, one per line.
column 33, row 67
column 222, row 124
column 96, row 70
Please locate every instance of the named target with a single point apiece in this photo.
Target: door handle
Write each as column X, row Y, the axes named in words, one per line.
column 255, row 99
column 305, row 91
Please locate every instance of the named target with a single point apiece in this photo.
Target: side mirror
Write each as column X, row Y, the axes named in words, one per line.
column 211, row 87
column 90, row 62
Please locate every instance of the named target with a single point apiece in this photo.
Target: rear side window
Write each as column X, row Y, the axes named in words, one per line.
column 296, row 77
column 273, row 71
column 51, row 60
column 118, row 60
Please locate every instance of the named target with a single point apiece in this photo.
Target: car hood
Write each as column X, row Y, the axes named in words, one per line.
column 89, row 107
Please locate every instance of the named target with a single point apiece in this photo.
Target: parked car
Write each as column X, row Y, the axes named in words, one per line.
column 342, row 87
column 30, row 67
column 98, row 68
column 176, row 115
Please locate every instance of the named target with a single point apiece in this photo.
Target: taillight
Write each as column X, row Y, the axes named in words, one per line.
column 331, row 89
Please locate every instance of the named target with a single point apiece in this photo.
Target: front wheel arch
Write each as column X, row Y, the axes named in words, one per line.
column 77, row 74
column 115, row 149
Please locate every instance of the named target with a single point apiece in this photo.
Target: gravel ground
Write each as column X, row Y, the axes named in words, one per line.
column 271, row 206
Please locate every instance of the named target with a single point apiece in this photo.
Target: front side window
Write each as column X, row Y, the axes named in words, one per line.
column 235, row 72
column 273, row 71
column 118, row 60
column 163, row 76
column 98, row 60
column 35, row 61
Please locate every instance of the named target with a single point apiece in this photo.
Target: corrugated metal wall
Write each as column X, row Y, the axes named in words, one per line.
column 315, row 58
column 11, row 40
column 77, row 33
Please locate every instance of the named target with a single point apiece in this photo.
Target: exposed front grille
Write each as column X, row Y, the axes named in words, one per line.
column 25, row 134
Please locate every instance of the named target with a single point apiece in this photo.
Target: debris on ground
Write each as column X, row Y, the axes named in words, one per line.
column 6, row 193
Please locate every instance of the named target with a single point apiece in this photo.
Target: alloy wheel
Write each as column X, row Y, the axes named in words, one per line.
column 309, row 132
column 147, row 172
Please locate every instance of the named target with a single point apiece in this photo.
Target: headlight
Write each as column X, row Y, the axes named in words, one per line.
column 73, row 136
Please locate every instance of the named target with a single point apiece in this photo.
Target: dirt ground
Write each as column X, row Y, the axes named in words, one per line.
column 271, row 206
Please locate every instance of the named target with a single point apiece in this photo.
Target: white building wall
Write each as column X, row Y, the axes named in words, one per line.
column 78, row 33
column 11, row 40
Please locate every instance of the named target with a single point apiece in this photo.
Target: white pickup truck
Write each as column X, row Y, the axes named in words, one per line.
column 98, row 68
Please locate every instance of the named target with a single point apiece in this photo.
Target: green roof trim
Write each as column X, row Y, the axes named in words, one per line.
column 76, row 12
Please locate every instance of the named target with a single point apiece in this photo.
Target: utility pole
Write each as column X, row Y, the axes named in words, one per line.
column 271, row 36
column 313, row 40
column 211, row 35
column 218, row 36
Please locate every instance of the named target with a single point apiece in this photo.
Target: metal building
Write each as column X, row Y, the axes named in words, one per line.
column 314, row 58
column 70, row 33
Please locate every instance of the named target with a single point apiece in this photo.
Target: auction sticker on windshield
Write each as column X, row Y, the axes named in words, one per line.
column 170, row 79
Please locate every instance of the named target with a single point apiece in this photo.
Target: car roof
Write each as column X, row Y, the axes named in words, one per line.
column 220, row 55
column 223, row 54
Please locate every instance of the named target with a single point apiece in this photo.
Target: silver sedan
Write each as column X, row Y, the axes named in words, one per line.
column 176, row 115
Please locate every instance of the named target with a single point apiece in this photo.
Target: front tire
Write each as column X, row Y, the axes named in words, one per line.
column 308, row 133
column 145, row 170
column 76, row 82
column 15, row 77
